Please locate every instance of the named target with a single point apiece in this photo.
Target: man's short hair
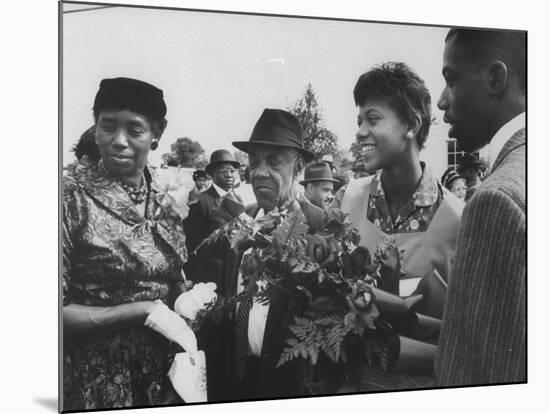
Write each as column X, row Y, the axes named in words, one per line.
column 402, row 89
column 484, row 46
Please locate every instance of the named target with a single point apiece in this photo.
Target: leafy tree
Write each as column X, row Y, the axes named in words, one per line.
column 241, row 157
column 317, row 138
column 186, row 153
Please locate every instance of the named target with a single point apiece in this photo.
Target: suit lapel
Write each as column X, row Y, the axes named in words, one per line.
column 212, row 192
column 517, row 140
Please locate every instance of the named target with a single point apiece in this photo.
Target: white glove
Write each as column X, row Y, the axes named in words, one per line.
column 172, row 327
column 189, row 303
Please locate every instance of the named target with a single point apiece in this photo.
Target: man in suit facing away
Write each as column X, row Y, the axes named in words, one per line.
column 483, row 338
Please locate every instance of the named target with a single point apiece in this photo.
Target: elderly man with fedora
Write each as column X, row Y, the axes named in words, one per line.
column 251, row 337
column 319, row 184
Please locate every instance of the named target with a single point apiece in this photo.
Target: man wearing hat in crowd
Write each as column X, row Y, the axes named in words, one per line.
column 207, row 264
column 251, row 340
column 319, row 184
column 201, row 222
column 329, row 159
column 206, row 215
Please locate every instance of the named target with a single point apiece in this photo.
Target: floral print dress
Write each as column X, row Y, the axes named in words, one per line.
column 113, row 254
column 425, row 228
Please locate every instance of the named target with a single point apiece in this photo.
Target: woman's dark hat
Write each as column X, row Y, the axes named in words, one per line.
column 318, row 171
column 132, row 94
column 218, row 157
column 276, row 128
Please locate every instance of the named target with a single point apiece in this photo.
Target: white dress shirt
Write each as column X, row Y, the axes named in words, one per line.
column 220, row 190
column 257, row 317
column 505, row 132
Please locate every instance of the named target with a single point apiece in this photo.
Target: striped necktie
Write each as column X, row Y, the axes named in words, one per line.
column 241, row 336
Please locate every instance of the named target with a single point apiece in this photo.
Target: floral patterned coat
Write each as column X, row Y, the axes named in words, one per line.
column 113, row 254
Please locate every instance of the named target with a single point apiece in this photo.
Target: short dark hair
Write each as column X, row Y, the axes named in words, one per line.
column 400, row 87
column 483, row 46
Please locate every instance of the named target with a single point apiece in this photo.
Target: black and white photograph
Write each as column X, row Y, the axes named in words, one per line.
column 261, row 206
column 287, row 206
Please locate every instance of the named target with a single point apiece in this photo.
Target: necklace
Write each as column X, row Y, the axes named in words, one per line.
column 137, row 195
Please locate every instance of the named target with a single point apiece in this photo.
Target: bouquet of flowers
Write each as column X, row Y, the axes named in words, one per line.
column 326, row 280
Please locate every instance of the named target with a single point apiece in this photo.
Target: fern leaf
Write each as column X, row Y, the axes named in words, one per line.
column 293, row 227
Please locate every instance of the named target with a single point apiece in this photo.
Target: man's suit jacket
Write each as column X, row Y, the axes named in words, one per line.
column 483, row 338
column 198, row 223
column 205, row 216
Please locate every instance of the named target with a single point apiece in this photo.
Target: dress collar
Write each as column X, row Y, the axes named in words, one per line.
column 426, row 194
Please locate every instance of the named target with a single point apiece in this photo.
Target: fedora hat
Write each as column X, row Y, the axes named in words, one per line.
column 318, row 171
column 218, row 157
column 276, row 128
column 329, row 159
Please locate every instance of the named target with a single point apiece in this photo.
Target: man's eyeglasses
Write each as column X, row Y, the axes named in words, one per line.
column 226, row 171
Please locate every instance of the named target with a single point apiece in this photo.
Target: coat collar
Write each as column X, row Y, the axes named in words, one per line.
column 211, row 191
column 517, row 140
column 426, row 194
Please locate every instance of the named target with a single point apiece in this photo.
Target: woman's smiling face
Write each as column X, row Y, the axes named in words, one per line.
column 381, row 135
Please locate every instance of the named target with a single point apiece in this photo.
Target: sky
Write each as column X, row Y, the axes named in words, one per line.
column 219, row 71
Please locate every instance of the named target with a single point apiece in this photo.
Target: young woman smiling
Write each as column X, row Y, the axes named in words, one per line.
column 403, row 199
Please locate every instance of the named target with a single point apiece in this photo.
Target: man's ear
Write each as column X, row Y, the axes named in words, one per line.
column 498, row 75
column 298, row 166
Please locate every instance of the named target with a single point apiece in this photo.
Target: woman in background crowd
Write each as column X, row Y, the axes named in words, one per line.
column 455, row 183
column 469, row 167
